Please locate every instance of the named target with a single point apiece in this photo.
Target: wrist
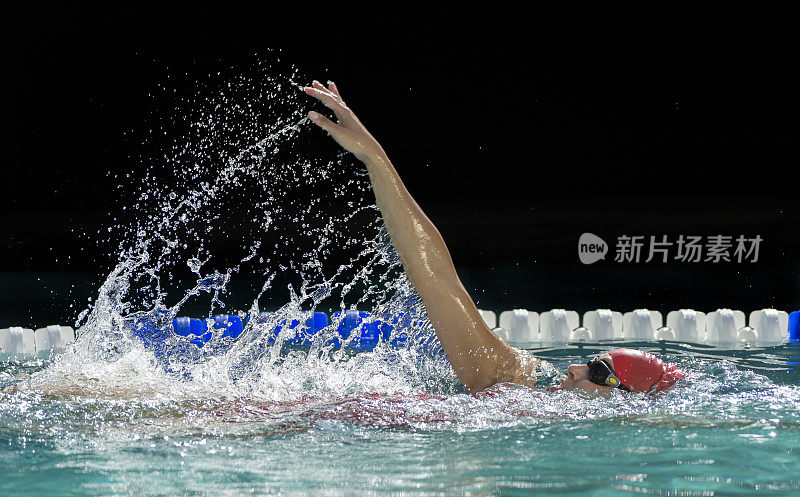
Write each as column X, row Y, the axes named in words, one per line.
column 374, row 157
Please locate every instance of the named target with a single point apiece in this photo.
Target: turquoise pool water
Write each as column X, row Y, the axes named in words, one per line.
column 733, row 428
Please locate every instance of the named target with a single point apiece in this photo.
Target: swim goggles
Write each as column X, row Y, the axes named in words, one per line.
column 600, row 374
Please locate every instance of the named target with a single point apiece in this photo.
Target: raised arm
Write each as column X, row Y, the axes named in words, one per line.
column 478, row 356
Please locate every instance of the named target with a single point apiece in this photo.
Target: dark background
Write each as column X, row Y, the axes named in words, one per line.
column 515, row 133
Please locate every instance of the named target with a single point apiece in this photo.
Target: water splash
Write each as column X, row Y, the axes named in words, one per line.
column 240, row 192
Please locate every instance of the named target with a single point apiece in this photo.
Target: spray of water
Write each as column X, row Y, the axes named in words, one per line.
column 237, row 187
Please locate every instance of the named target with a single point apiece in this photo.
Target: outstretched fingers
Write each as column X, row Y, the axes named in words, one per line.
column 332, row 87
column 323, row 96
column 331, row 100
column 336, row 131
column 322, row 121
column 327, row 95
column 319, row 86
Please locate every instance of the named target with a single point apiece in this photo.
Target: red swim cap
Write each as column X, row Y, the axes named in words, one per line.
column 643, row 372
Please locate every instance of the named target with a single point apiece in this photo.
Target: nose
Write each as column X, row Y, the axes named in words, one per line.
column 577, row 371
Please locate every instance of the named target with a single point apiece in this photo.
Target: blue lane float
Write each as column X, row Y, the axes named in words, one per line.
column 355, row 330
column 200, row 331
column 794, row 326
column 794, row 340
column 194, row 329
column 228, row 326
column 401, row 322
column 188, row 327
column 292, row 333
column 360, row 330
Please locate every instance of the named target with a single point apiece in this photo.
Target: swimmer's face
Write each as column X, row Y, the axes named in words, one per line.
column 578, row 377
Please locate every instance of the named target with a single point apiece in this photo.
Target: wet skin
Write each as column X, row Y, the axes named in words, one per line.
column 578, row 378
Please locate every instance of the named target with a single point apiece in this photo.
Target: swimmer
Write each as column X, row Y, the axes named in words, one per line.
column 479, row 357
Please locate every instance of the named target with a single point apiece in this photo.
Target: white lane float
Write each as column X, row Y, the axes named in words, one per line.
column 556, row 325
column 520, row 325
column 18, row 343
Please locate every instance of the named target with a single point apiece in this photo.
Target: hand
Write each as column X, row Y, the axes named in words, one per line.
column 348, row 132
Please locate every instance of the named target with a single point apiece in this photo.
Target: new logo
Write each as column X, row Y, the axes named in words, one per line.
column 591, row 248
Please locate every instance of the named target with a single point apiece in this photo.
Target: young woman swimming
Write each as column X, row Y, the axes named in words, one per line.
column 479, row 357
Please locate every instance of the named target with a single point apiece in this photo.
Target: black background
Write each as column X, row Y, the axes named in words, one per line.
column 515, row 133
